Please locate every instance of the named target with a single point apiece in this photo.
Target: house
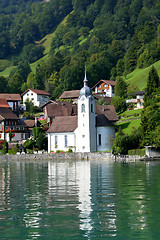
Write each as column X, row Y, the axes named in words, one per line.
column 10, row 123
column 84, row 132
column 104, row 88
column 13, row 100
column 70, row 95
column 137, row 102
column 30, row 124
column 38, row 97
column 58, row 108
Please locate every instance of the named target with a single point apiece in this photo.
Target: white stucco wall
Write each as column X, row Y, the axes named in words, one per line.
column 107, row 138
column 86, row 131
column 107, row 92
column 31, row 96
column 38, row 100
column 52, row 146
column 17, row 137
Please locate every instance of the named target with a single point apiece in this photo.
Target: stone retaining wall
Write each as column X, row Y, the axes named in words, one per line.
column 72, row 156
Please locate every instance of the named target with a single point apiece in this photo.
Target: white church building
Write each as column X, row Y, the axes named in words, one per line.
column 86, row 132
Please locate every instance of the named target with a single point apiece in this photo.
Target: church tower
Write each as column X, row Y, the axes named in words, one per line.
column 86, row 131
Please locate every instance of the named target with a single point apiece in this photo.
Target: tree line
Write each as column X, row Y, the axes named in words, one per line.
column 110, row 37
column 148, row 132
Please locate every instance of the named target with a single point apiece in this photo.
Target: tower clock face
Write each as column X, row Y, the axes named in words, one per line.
column 83, row 98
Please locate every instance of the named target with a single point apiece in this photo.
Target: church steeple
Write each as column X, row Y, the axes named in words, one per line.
column 86, row 131
column 85, row 79
column 85, row 90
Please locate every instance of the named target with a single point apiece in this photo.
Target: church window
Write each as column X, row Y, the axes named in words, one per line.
column 83, row 108
column 99, row 139
column 91, row 107
column 56, row 141
column 83, row 136
column 83, row 147
column 65, row 141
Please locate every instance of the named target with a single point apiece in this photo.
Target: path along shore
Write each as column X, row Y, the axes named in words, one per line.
column 76, row 156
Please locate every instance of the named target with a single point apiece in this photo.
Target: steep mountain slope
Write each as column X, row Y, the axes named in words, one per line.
column 110, row 37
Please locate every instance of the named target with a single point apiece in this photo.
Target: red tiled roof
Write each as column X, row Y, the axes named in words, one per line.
column 63, row 124
column 6, row 113
column 38, row 92
column 106, row 99
column 108, row 110
column 31, row 123
column 109, row 82
column 4, row 103
column 70, row 94
column 58, row 108
column 11, row 96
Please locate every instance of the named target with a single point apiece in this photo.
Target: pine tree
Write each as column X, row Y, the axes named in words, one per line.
column 120, row 88
column 153, row 84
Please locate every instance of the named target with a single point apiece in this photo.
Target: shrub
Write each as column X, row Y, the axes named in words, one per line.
column 69, row 150
column 141, row 152
column 5, row 147
column 29, row 144
column 58, row 151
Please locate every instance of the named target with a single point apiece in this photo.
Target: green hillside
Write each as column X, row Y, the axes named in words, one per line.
column 45, row 45
column 139, row 76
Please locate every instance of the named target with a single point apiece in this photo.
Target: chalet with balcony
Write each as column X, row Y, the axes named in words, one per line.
column 104, row 88
column 11, row 124
column 136, row 102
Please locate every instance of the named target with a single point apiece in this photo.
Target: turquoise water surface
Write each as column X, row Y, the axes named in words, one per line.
column 79, row 200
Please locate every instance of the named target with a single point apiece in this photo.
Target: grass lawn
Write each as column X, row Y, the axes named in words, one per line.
column 139, row 76
column 128, row 126
column 128, row 113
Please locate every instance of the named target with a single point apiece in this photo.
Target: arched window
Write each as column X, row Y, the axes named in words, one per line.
column 91, row 107
column 83, row 108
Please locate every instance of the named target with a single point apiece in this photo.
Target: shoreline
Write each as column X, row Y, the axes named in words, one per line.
column 78, row 156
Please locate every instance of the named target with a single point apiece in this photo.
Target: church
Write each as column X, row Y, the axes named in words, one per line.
column 85, row 132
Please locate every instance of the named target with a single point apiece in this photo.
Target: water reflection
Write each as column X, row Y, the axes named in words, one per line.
column 68, row 178
column 79, row 200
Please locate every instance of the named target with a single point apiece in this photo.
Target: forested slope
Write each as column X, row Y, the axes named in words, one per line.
column 110, row 37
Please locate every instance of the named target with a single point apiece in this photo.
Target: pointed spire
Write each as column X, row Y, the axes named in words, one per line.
column 85, row 79
column 85, row 90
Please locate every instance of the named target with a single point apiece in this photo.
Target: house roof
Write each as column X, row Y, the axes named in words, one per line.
column 70, row 94
column 137, row 93
column 4, row 103
column 31, row 123
column 102, row 120
column 106, row 99
column 58, row 108
column 63, row 124
column 108, row 110
column 21, row 122
column 109, row 82
column 6, row 113
column 11, row 96
column 38, row 92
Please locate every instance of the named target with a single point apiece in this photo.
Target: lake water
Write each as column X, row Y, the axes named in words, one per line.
column 79, row 200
